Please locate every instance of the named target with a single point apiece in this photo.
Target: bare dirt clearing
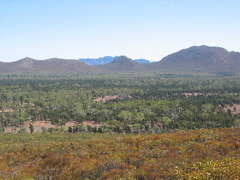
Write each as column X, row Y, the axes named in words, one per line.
column 91, row 123
column 6, row 110
column 37, row 125
column 235, row 108
column 198, row 94
column 107, row 98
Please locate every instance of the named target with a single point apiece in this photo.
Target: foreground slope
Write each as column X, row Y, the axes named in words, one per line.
column 200, row 154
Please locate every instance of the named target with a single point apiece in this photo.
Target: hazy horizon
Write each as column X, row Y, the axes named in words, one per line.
column 148, row 29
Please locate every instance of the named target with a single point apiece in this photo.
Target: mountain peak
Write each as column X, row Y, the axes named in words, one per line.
column 123, row 60
column 198, row 59
column 124, row 64
column 26, row 59
column 199, row 53
column 206, row 48
column 142, row 60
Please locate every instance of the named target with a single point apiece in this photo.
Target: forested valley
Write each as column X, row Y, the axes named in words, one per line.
column 120, row 104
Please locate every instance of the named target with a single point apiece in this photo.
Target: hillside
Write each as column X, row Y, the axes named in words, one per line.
column 49, row 66
column 124, row 65
column 200, row 59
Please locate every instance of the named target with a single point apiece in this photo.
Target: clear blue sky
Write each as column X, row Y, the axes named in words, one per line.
column 148, row 29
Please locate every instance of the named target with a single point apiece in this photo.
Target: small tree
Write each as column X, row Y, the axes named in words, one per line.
column 70, row 129
column 89, row 128
column 94, row 129
column 31, row 128
column 166, row 121
column 127, row 129
column 22, row 130
column 100, row 130
column 44, row 129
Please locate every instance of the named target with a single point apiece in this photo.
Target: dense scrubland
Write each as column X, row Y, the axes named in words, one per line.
column 198, row 154
column 88, row 127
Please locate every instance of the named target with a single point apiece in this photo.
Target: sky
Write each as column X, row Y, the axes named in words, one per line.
column 149, row 29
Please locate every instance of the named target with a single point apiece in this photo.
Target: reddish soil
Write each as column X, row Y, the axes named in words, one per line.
column 92, row 124
column 6, row 110
column 106, row 98
column 37, row 125
column 235, row 109
column 71, row 123
column 197, row 94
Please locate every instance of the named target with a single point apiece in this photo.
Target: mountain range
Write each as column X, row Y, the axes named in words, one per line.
column 53, row 65
column 195, row 59
column 107, row 59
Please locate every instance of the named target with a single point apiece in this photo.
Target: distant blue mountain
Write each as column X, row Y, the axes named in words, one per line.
column 106, row 59
column 142, row 61
column 98, row 61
